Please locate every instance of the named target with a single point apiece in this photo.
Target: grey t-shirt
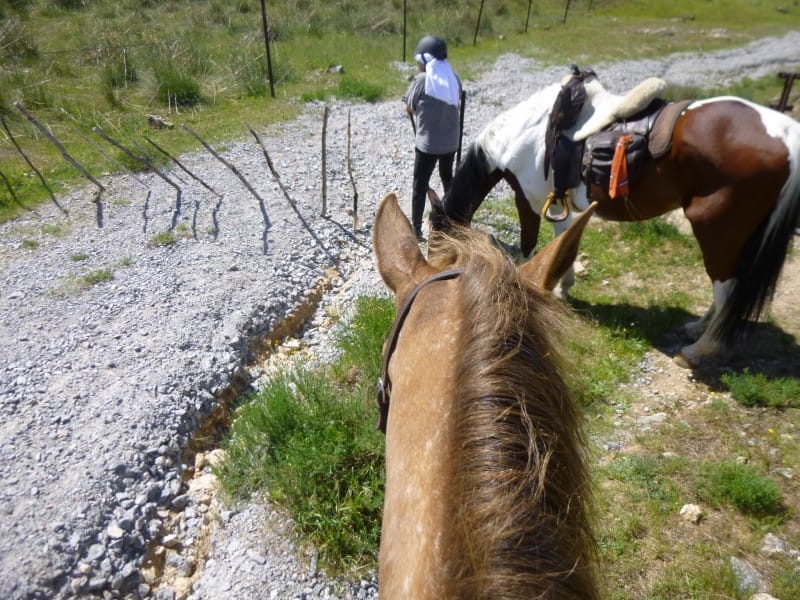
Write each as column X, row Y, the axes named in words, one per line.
column 437, row 121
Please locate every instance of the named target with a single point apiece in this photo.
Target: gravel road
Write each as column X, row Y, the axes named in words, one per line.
column 117, row 347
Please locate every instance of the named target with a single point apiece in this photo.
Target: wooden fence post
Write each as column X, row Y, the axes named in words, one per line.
column 528, row 18
column 324, row 210
column 405, row 11
column 265, row 26
column 566, row 10
column 477, row 24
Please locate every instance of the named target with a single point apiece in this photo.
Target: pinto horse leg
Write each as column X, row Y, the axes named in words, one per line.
column 529, row 223
column 708, row 344
column 694, row 329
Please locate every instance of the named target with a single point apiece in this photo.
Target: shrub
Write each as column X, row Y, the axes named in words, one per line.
column 350, row 87
column 250, row 70
column 176, row 87
column 740, row 485
column 754, row 389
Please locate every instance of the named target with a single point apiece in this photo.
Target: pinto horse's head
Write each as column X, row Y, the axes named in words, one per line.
column 474, row 178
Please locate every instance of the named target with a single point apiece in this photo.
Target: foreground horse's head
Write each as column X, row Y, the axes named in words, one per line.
column 486, row 484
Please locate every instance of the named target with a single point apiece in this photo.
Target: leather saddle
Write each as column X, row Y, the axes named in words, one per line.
column 584, row 151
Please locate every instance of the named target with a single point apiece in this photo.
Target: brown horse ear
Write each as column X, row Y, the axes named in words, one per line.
column 400, row 261
column 547, row 267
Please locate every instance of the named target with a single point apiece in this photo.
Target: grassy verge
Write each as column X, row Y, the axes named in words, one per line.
column 309, row 438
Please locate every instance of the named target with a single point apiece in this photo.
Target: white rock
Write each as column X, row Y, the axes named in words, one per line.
column 773, row 545
column 691, row 513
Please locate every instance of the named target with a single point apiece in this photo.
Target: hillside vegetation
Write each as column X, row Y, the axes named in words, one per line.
column 77, row 64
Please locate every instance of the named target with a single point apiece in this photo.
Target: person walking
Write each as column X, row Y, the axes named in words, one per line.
column 433, row 98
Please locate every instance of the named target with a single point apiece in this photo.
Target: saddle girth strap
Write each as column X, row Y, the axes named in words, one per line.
column 383, row 389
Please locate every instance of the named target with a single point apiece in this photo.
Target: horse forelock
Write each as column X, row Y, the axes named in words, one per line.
column 522, row 487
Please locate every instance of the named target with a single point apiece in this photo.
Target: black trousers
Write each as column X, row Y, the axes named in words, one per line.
column 423, row 169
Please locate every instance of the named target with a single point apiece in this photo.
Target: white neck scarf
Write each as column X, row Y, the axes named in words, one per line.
column 440, row 80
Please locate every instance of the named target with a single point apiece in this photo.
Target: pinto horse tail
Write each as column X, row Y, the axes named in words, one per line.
column 763, row 256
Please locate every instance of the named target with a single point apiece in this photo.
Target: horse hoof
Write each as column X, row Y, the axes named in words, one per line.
column 683, row 362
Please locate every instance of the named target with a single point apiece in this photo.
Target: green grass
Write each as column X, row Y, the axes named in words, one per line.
column 163, row 238
column 309, row 438
column 756, row 389
column 787, row 582
column 93, row 278
column 361, row 340
column 315, row 451
column 739, row 484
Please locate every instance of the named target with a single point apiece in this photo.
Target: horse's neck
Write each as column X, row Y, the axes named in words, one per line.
column 518, row 130
column 419, row 552
column 514, row 143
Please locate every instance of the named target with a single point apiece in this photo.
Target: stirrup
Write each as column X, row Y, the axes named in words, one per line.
column 562, row 201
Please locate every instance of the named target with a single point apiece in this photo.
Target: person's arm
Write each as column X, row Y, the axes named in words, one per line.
column 412, row 95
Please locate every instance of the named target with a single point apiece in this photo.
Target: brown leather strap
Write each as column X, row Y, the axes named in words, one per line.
column 384, row 388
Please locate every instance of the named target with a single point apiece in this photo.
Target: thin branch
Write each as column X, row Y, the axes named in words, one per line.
column 235, row 171
column 58, row 145
column 292, row 203
column 31, row 165
column 350, row 173
column 187, row 171
column 324, row 210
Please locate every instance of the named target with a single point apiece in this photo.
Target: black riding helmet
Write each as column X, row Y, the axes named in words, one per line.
column 432, row 45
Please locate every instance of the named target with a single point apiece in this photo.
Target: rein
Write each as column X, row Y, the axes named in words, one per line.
column 383, row 390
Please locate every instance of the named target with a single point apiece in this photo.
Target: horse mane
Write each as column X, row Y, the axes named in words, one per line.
column 522, row 484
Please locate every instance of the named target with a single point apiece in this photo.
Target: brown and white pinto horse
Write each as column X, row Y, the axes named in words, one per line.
column 487, row 487
column 733, row 167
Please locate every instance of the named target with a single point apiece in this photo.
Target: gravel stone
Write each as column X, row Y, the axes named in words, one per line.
column 104, row 385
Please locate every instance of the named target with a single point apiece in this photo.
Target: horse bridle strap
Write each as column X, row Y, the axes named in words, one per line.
column 384, row 388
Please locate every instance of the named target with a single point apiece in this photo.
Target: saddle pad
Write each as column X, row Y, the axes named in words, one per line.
column 660, row 138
